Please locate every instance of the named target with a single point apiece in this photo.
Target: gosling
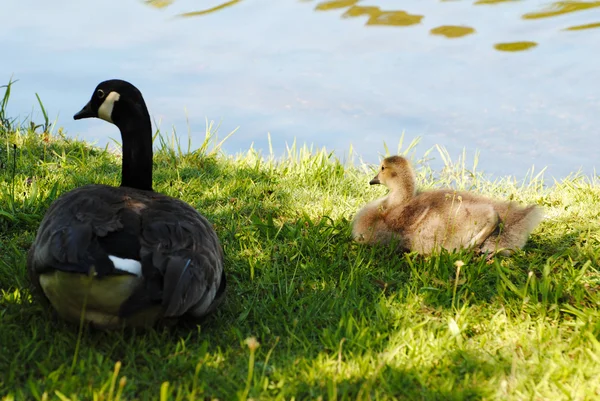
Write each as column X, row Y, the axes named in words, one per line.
column 429, row 221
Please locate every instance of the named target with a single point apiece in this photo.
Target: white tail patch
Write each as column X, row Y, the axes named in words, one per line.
column 106, row 108
column 127, row 265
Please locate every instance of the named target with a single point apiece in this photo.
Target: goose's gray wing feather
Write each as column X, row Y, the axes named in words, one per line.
column 182, row 260
column 70, row 234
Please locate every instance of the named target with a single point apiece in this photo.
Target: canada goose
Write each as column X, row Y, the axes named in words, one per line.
column 126, row 256
column 428, row 221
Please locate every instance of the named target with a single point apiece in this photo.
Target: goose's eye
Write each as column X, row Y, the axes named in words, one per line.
column 100, row 93
column 382, row 168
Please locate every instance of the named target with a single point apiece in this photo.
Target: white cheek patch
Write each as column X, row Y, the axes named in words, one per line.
column 127, row 265
column 106, row 108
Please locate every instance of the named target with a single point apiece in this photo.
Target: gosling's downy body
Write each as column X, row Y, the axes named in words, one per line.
column 368, row 225
column 516, row 223
column 126, row 256
column 428, row 221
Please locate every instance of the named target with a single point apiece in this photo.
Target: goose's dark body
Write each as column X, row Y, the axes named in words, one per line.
column 72, row 260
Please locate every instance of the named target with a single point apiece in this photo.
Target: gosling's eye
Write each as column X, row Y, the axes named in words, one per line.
column 100, row 93
column 382, row 168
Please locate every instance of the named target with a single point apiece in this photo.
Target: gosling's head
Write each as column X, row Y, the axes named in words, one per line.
column 395, row 172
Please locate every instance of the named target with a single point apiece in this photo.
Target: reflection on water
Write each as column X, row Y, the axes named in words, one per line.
column 165, row 3
column 451, row 31
column 468, row 74
column 494, row 1
column 514, row 46
column 377, row 16
column 582, row 27
column 380, row 17
column 563, row 7
column 212, row 9
column 332, row 5
column 159, row 3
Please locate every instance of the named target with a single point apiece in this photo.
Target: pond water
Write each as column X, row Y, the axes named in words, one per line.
column 518, row 81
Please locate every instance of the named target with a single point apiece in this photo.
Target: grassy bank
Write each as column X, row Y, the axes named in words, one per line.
column 309, row 314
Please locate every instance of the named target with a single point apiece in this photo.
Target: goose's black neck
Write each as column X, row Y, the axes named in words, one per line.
column 136, row 136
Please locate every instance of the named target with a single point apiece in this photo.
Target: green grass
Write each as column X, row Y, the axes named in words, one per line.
column 310, row 314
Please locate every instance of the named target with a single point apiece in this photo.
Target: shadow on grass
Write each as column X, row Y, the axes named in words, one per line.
column 469, row 370
column 298, row 284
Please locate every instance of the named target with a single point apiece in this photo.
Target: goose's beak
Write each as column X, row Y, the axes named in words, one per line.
column 375, row 180
column 86, row 112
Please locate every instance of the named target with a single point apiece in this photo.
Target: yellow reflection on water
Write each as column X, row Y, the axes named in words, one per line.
column 335, row 4
column 514, row 46
column 357, row 11
column 381, row 17
column 452, row 31
column 211, row 10
column 159, row 3
column 563, row 7
column 394, row 18
column 494, row 1
column 165, row 3
column 582, row 27
column 399, row 18
column 376, row 15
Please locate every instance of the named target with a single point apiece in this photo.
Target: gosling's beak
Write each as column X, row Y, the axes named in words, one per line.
column 86, row 112
column 375, row 180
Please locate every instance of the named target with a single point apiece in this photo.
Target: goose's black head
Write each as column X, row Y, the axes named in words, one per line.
column 122, row 104
column 117, row 102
